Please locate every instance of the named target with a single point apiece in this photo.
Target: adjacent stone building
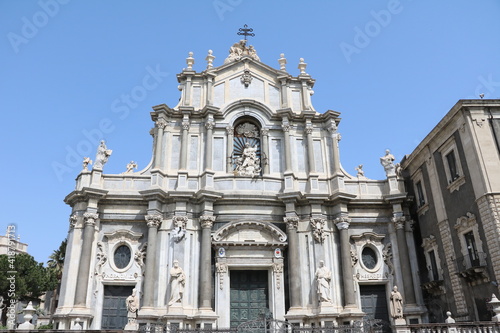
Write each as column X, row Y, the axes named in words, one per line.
column 244, row 209
column 454, row 176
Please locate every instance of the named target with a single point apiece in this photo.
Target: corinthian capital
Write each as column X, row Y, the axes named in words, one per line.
column 399, row 222
column 342, row 222
column 291, row 222
column 229, row 130
column 309, row 129
column 90, row 218
column 285, row 127
column 161, row 123
column 154, row 221
column 209, row 125
column 207, row 221
column 264, row 131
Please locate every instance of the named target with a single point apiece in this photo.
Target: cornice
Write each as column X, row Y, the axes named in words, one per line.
column 85, row 194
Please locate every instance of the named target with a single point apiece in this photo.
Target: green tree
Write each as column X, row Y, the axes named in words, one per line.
column 22, row 277
column 56, row 265
column 29, row 277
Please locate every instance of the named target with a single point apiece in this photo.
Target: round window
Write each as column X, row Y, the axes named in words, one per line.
column 122, row 256
column 369, row 258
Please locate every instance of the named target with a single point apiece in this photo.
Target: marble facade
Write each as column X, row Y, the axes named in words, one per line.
column 245, row 175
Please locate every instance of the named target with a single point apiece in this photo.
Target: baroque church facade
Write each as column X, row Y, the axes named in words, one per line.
column 243, row 210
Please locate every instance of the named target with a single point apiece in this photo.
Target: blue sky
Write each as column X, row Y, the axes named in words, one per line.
column 392, row 68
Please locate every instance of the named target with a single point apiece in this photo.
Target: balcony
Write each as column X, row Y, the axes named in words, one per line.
column 473, row 268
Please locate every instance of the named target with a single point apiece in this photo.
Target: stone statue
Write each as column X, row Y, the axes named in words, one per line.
column 396, row 304
column 323, row 277
column 86, row 162
column 132, row 308
column 102, row 156
column 253, row 53
column 239, row 50
column 177, row 283
column 131, row 166
column 248, row 164
column 387, row 162
column 360, row 171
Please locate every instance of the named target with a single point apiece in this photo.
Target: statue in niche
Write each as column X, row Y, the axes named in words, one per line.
column 177, row 283
column 396, row 304
column 387, row 162
column 132, row 307
column 102, row 156
column 248, row 164
column 323, row 277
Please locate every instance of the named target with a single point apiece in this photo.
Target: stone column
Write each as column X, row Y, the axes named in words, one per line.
column 293, row 261
column 342, row 224
column 404, row 257
column 209, row 125
column 82, row 281
column 206, row 278
column 335, row 148
column 160, row 124
column 265, row 150
column 310, row 149
column 184, row 142
column 153, row 222
column 288, row 150
column 230, row 144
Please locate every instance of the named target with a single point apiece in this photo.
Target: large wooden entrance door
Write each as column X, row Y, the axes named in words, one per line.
column 114, row 309
column 374, row 303
column 249, row 295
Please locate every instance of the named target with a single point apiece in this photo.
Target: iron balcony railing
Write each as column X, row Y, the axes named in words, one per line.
column 472, row 260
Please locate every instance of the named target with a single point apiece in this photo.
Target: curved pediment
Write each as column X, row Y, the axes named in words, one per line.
column 248, row 233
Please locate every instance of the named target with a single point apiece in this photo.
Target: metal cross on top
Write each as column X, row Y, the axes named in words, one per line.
column 246, row 31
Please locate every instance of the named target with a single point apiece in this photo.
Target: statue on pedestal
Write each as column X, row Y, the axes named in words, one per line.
column 323, row 277
column 177, row 283
column 396, row 304
column 103, row 153
column 132, row 307
column 387, row 162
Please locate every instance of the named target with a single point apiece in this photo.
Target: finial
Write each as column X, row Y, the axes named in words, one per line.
column 190, row 61
column 210, row 58
column 302, row 66
column 282, row 62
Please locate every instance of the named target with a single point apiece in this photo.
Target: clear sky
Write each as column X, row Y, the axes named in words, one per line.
column 71, row 70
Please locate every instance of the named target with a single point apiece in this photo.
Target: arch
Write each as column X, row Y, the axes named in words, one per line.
column 234, row 227
column 246, row 106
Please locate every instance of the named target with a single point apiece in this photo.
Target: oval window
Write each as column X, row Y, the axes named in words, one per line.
column 369, row 258
column 122, row 256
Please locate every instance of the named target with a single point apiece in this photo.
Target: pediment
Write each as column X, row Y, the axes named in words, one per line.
column 250, row 233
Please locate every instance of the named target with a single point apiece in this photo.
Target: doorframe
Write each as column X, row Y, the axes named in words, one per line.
column 275, row 284
column 100, row 300
column 386, row 285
